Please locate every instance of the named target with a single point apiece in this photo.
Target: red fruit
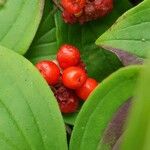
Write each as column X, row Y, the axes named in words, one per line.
column 68, row 56
column 69, row 18
column 67, row 100
column 73, row 6
column 84, row 91
column 49, row 71
column 93, row 9
column 82, row 65
column 96, row 9
column 74, row 77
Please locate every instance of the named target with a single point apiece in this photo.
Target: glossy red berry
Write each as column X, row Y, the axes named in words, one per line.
column 73, row 6
column 49, row 71
column 84, row 91
column 74, row 77
column 67, row 99
column 68, row 56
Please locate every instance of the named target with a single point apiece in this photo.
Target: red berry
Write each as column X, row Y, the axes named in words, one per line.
column 67, row 100
column 49, row 71
column 73, row 6
column 92, row 9
column 69, row 18
column 74, row 77
column 84, row 91
column 68, row 56
column 82, row 65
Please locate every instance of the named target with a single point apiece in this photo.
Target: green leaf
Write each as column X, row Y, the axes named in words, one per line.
column 70, row 118
column 19, row 20
column 44, row 45
column 100, row 63
column 100, row 108
column 29, row 114
column 130, row 32
column 137, row 133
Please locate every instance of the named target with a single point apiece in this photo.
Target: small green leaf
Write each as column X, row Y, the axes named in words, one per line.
column 137, row 133
column 130, row 32
column 44, row 45
column 29, row 114
column 100, row 108
column 70, row 118
column 103, row 63
column 19, row 20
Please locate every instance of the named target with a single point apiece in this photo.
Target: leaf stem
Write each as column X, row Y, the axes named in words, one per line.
column 2, row 2
column 57, row 4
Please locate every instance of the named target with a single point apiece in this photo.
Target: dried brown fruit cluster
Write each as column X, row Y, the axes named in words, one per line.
column 85, row 10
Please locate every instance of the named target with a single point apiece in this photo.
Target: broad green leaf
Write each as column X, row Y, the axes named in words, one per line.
column 44, row 45
column 137, row 133
column 29, row 114
column 130, row 32
column 100, row 107
column 19, row 20
column 147, row 144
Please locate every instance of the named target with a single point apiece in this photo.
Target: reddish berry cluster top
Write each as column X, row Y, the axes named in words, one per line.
column 85, row 10
column 67, row 78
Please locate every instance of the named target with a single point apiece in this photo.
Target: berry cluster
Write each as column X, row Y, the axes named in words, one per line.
column 67, row 78
column 85, row 10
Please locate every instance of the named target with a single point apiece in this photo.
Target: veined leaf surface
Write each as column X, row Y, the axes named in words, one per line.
column 29, row 114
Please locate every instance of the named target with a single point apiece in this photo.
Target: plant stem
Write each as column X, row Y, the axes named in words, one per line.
column 57, row 4
column 2, row 2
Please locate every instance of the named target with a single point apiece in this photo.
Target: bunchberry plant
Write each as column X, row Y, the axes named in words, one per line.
column 63, row 70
